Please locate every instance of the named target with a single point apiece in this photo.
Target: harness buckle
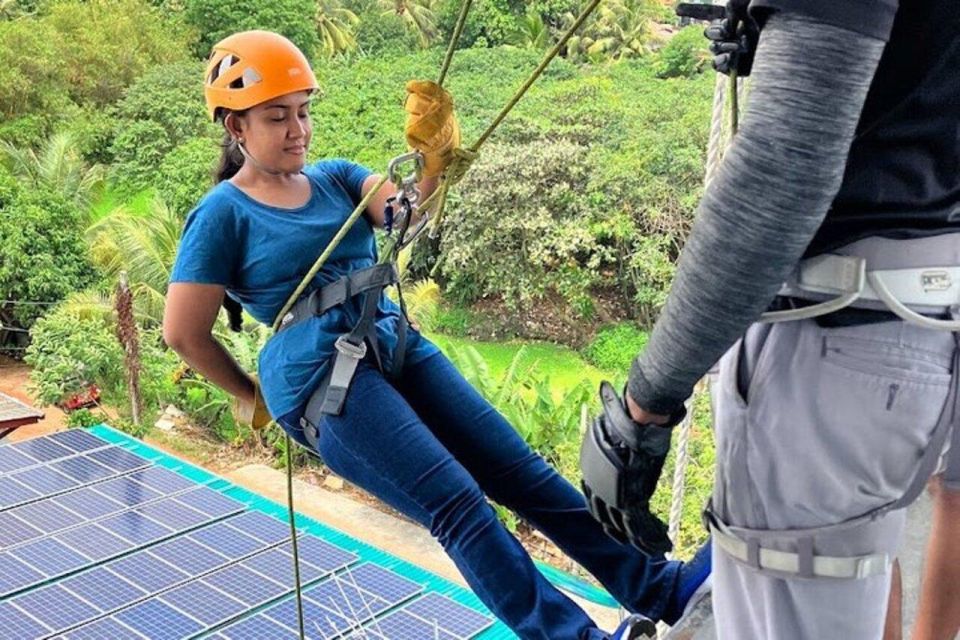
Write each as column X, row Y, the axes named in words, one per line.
column 347, row 348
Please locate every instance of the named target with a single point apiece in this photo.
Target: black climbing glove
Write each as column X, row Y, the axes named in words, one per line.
column 733, row 39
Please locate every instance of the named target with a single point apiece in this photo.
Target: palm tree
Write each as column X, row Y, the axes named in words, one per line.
column 531, row 32
column 420, row 15
column 335, row 24
column 144, row 247
column 58, row 166
column 621, row 29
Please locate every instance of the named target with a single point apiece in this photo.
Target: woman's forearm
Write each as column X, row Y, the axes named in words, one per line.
column 210, row 359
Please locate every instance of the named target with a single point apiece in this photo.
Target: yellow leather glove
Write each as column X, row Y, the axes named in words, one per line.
column 256, row 415
column 432, row 127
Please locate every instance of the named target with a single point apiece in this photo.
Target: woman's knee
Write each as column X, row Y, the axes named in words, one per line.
column 463, row 512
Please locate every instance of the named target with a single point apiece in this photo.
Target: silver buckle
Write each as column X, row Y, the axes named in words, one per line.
column 347, row 348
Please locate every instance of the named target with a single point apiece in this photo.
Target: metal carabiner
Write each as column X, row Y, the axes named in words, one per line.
column 393, row 168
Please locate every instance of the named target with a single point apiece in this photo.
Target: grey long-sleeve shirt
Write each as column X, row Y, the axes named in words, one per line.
column 771, row 193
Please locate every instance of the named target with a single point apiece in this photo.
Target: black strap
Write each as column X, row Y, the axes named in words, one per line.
column 339, row 291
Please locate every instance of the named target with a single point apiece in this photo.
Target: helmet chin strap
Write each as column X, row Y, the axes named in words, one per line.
column 258, row 165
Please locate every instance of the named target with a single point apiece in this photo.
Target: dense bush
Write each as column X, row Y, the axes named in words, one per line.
column 43, row 256
column 161, row 111
column 187, row 173
column 384, row 34
column 684, row 55
column 214, row 20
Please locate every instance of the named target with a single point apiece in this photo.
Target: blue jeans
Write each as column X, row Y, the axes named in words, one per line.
column 432, row 447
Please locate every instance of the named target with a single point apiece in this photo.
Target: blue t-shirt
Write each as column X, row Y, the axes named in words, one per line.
column 259, row 253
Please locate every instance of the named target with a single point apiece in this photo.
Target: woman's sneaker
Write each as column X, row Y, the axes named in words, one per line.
column 635, row 627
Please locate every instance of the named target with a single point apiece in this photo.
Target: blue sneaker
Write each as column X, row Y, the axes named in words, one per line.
column 693, row 583
column 635, row 627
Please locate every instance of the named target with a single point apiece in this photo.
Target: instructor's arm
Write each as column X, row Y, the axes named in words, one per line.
column 188, row 320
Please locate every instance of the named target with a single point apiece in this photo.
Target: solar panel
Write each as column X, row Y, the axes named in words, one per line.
column 77, row 440
column 278, row 566
column 42, row 449
column 118, row 459
column 188, row 555
column 135, row 528
column 159, row 621
column 261, row 526
column 96, row 542
column 259, row 627
column 13, row 530
column 147, row 572
column 15, row 575
column 14, row 623
column 340, row 596
column 460, row 621
column 126, row 491
column 104, row 629
column 173, row 514
column 104, row 588
column 11, row 459
column 382, row 582
column 46, row 515
column 55, row 607
column 203, row 602
column 50, row 557
column 82, row 469
column 321, row 554
column 43, row 480
column 210, row 502
column 400, row 625
column 13, row 492
column 245, row 585
column 163, row 480
column 227, row 541
column 89, row 503
column 317, row 621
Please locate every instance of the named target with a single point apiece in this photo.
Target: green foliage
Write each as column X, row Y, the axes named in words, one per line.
column 69, row 351
column 381, row 33
column 489, row 23
column 57, row 168
column 105, row 45
column 420, row 17
column 83, row 418
column 685, row 55
column 618, row 30
column 186, row 173
column 31, row 74
column 42, row 256
column 527, row 400
column 214, row 20
column 452, row 320
column 161, row 111
column 335, row 27
column 614, row 348
column 520, row 229
column 142, row 246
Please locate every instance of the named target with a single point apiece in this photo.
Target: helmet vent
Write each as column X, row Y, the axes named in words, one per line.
column 218, row 70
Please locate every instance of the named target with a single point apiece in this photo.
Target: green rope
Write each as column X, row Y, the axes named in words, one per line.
column 454, row 39
column 293, row 536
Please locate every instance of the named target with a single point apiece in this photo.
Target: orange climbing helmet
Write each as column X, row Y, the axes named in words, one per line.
column 251, row 67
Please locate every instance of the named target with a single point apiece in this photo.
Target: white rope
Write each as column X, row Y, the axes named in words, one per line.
column 716, row 145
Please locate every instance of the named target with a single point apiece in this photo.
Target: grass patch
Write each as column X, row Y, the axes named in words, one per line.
column 563, row 366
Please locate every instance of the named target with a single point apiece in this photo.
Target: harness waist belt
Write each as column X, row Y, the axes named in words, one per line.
column 339, row 291
column 834, row 282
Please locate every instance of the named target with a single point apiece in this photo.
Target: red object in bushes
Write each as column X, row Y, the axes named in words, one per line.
column 86, row 398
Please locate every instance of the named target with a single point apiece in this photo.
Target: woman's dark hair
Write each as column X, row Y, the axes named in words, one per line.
column 231, row 158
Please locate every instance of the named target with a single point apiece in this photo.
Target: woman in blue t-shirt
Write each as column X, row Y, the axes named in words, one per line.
column 424, row 442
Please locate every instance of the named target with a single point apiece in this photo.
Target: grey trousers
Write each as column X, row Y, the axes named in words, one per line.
column 814, row 427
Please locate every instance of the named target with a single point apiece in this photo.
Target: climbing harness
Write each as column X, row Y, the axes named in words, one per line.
column 352, row 347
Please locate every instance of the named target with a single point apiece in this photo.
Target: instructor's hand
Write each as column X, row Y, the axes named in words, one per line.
column 432, row 127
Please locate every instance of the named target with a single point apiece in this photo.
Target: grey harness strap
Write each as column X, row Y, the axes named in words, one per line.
column 753, row 546
column 351, row 347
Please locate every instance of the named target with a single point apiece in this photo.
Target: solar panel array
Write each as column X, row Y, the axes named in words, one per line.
column 98, row 543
